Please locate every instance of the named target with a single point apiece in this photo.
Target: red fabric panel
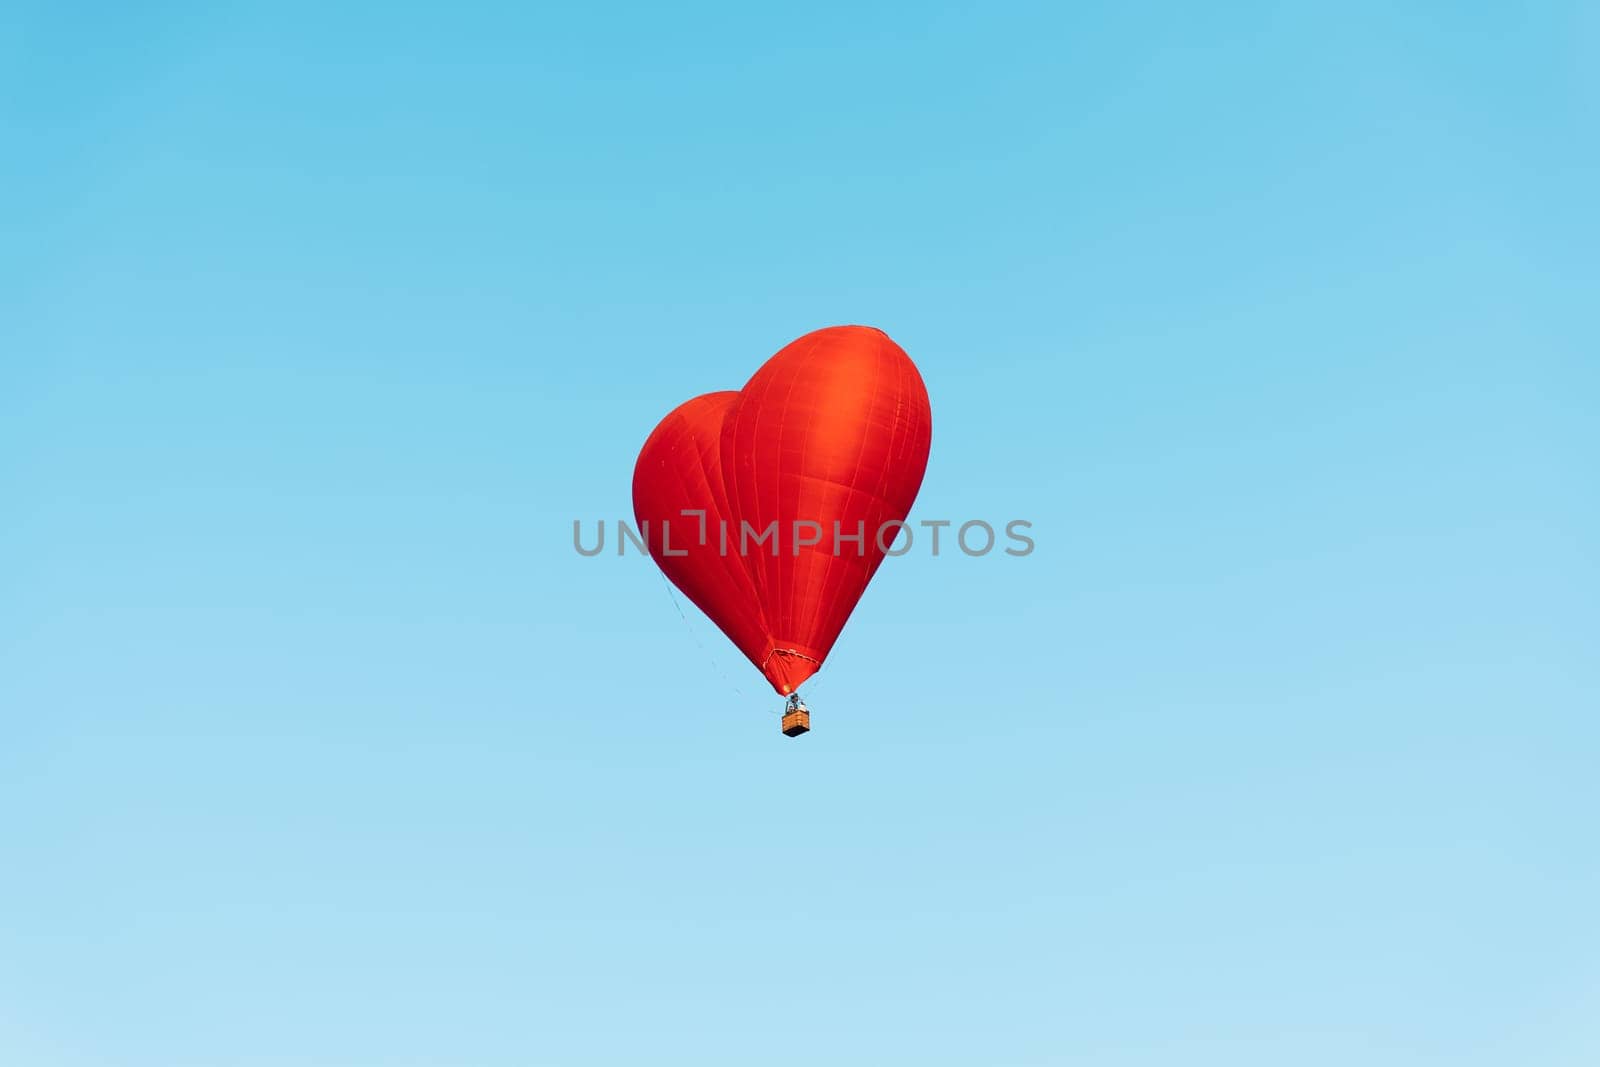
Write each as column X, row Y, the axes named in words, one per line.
column 680, row 467
column 835, row 427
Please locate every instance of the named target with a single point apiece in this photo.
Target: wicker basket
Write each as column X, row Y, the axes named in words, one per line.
column 796, row 721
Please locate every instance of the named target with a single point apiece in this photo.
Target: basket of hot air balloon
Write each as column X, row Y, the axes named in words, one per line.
column 796, row 717
column 771, row 508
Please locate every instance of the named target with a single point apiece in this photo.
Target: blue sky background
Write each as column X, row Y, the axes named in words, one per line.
column 320, row 324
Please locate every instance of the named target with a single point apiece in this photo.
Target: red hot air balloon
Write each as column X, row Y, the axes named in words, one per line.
column 802, row 477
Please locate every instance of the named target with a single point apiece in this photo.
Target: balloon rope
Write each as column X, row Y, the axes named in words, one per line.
column 673, row 595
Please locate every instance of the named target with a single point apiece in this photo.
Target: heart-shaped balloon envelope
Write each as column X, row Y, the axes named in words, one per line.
column 771, row 508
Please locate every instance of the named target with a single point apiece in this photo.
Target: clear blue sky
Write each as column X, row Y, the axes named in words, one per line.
column 320, row 323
